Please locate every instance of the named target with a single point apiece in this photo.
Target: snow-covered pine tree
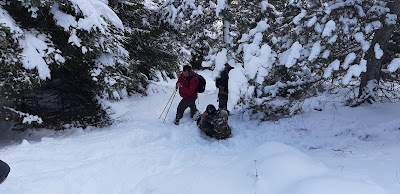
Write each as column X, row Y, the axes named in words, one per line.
column 66, row 44
column 13, row 77
column 391, row 78
column 378, row 55
column 25, row 60
column 342, row 34
column 272, row 53
column 263, row 79
column 152, row 47
column 196, row 24
column 294, row 49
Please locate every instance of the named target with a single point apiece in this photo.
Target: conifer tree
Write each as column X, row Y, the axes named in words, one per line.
column 152, row 47
column 62, row 45
column 371, row 79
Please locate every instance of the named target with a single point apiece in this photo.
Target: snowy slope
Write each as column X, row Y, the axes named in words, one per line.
column 338, row 150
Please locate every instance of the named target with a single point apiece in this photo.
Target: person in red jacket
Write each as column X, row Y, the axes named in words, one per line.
column 187, row 85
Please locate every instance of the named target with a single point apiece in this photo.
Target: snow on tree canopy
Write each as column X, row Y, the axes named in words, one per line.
column 315, row 51
column 7, row 21
column 93, row 12
column 237, row 86
column 290, row 56
column 299, row 17
column 359, row 36
column 332, row 66
column 355, row 70
column 261, row 27
column 378, row 51
column 312, row 21
column 220, row 60
column 318, row 28
column 370, row 27
column 197, row 12
column 27, row 118
column 333, row 39
column 347, row 22
column 251, row 57
column 220, row 6
column 268, row 57
column 75, row 40
column 34, row 50
column 329, row 28
column 255, row 56
column 62, row 19
column 37, row 49
column 349, row 60
column 326, row 54
column 391, row 19
column 95, row 16
column 265, row 5
column 394, row 65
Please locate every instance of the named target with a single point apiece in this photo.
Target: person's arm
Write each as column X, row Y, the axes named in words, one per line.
column 179, row 82
column 222, row 90
column 204, row 114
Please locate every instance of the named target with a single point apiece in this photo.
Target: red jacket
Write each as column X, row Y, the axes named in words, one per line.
column 189, row 84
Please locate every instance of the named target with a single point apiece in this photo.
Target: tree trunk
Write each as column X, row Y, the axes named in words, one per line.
column 226, row 25
column 374, row 65
column 227, row 38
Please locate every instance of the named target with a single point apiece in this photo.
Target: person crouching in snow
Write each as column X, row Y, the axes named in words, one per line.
column 214, row 123
column 187, row 85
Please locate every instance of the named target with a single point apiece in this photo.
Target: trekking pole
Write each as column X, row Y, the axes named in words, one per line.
column 173, row 94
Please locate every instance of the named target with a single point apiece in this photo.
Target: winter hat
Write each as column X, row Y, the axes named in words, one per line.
column 211, row 109
column 187, row 68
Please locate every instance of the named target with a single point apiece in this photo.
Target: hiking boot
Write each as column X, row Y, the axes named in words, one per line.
column 195, row 114
column 176, row 122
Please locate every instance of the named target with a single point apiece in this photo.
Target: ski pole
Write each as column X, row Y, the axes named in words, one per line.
column 173, row 94
column 170, row 105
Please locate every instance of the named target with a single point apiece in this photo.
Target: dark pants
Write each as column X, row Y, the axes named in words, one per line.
column 223, row 101
column 4, row 170
column 186, row 102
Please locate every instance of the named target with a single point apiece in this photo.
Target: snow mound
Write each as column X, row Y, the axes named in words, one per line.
column 285, row 170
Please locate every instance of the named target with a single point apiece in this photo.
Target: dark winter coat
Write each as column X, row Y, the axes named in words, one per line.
column 222, row 83
column 189, row 84
column 215, row 125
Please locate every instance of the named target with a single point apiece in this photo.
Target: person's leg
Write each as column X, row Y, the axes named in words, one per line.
column 193, row 108
column 223, row 132
column 4, row 170
column 206, row 127
column 222, row 101
column 181, row 109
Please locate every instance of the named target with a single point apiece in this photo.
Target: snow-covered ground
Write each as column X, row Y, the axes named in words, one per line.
column 339, row 150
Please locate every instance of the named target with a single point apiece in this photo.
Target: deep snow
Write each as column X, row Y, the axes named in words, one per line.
column 338, row 150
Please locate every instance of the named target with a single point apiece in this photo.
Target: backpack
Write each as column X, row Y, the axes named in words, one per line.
column 201, row 87
column 202, row 84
